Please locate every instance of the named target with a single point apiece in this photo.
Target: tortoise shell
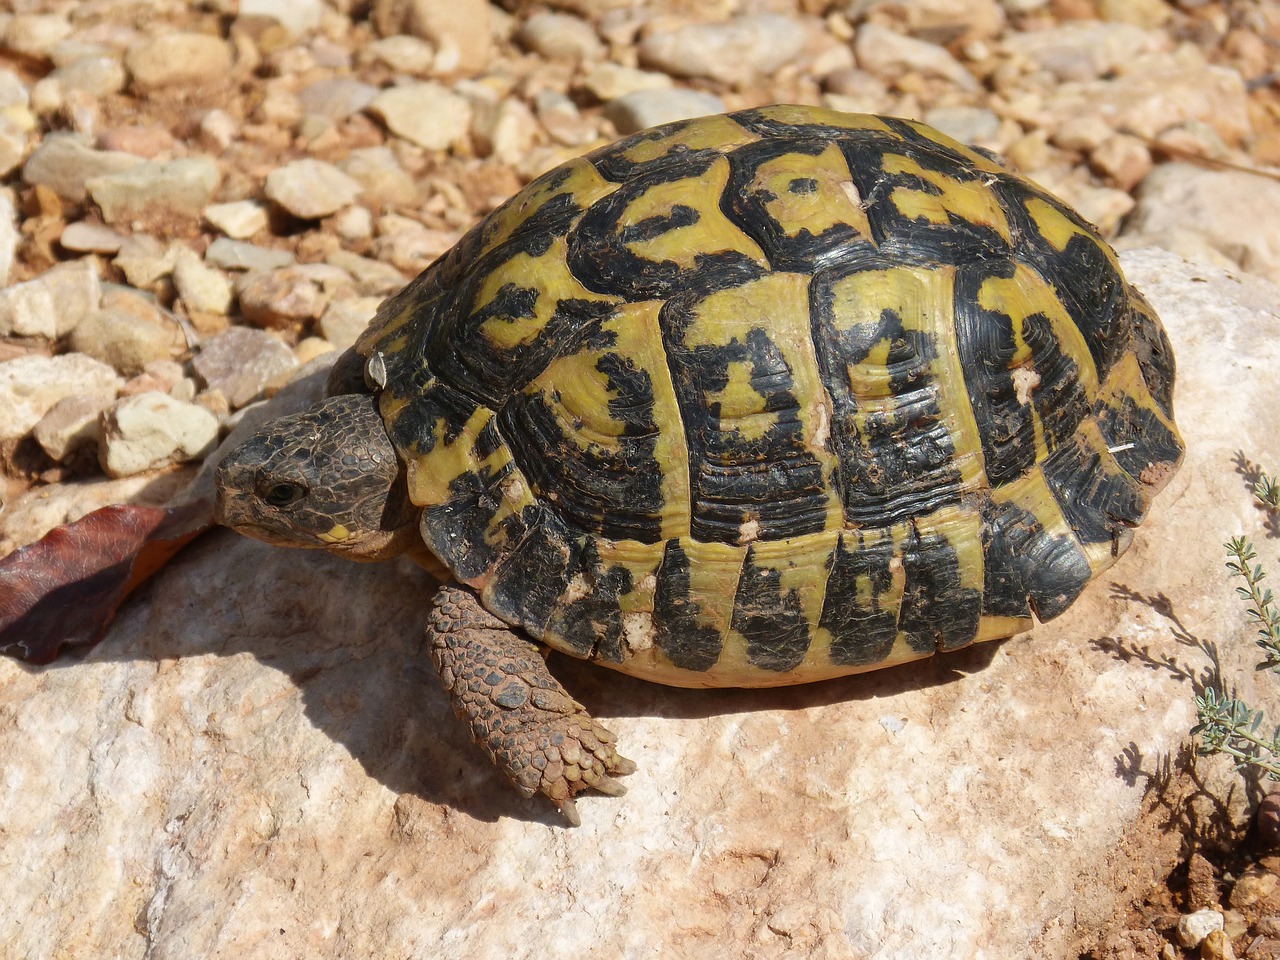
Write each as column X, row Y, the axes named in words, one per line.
column 775, row 396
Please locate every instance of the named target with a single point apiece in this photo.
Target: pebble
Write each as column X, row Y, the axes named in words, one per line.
column 13, row 146
column 64, row 162
column 1083, row 50
column 345, row 319
column 203, row 289
column 336, row 98
column 177, row 60
column 34, row 35
column 70, row 424
column 608, row 81
column 562, row 119
column 153, row 430
column 966, row 124
column 84, row 236
column 147, row 142
column 1234, row 212
column 383, row 182
column 280, row 299
column 428, row 114
column 240, row 362
column 309, row 348
column 311, row 189
column 298, row 17
column 144, row 260
column 462, row 30
column 1123, row 159
column 505, row 131
column 940, row 21
column 890, row 56
column 238, row 255
column 737, row 52
column 178, row 188
column 31, row 385
column 403, row 54
column 9, row 235
column 645, row 108
column 52, row 304
column 372, row 277
column 1216, row 946
column 128, row 339
column 239, row 219
column 561, row 36
column 1194, row 927
column 97, row 76
column 1253, row 886
column 353, row 223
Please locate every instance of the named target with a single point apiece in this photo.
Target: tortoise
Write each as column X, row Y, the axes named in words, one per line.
column 746, row 400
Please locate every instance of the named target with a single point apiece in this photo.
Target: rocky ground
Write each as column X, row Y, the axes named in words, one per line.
column 198, row 198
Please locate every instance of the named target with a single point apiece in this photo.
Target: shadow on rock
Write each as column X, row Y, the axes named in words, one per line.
column 350, row 637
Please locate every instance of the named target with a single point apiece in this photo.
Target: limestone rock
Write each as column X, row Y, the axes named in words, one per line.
column 65, row 162
column 240, row 363
column 238, row 255
column 635, row 111
column 738, row 51
column 128, row 339
column 52, row 304
column 240, row 219
column 462, row 30
column 31, row 385
column 70, row 424
column 177, row 60
column 179, row 188
column 152, row 430
column 311, row 189
column 277, row 708
column 428, row 114
column 889, row 55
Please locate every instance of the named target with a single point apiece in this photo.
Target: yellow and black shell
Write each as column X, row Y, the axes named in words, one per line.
column 775, row 396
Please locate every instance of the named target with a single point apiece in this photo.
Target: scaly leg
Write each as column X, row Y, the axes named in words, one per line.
column 539, row 736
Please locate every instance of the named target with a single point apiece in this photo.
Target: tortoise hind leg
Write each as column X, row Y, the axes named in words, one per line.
column 539, row 736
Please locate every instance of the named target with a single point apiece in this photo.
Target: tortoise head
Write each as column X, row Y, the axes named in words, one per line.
column 326, row 478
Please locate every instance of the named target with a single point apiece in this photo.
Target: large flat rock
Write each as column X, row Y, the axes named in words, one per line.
column 258, row 762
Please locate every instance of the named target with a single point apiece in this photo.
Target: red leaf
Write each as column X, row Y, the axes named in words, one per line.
column 65, row 588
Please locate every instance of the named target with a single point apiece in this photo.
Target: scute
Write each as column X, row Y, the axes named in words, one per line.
column 774, row 396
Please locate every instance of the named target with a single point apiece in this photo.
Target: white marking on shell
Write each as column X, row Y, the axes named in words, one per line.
column 853, row 193
column 638, row 631
column 822, row 424
column 513, row 490
column 1024, row 381
column 1122, row 447
column 648, row 584
column 750, row 530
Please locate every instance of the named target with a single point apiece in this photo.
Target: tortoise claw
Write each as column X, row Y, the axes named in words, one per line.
column 570, row 811
column 609, row 787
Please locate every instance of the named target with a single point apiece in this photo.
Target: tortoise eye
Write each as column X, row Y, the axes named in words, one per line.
column 283, row 494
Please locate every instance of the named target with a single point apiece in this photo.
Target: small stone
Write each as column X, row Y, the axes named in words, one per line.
column 505, row 132
column 218, row 129
column 608, row 81
column 144, row 260
column 203, row 289
column 52, row 304
column 403, row 54
column 336, row 98
column 645, row 108
column 128, row 339
column 353, row 223
column 177, row 60
column 310, row 189
column 1216, row 946
column 280, row 299
column 383, row 182
column 941, row 21
column 239, row 219
column 562, row 119
column 1194, row 927
column 561, row 36
column 9, row 235
column 97, row 76
column 31, row 385
column 64, row 162
column 85, row 237
column 462, row 30
column 372, row 277
column 890, row 55
column 13, row 146
column 178, row 188
column 739, row 51
column 70, row 424
column 344, row 320
column 153, row 430
column 966, row 124
column 428, row 114
column 1254, row 886
column 298, row 17
column 1082, row 50
column 1122, row 159
column 238, row 255
column 147, row 142
column 240, row 362
column 34, row 35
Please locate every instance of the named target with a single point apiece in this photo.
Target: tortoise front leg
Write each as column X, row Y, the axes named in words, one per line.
column 539, row 736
